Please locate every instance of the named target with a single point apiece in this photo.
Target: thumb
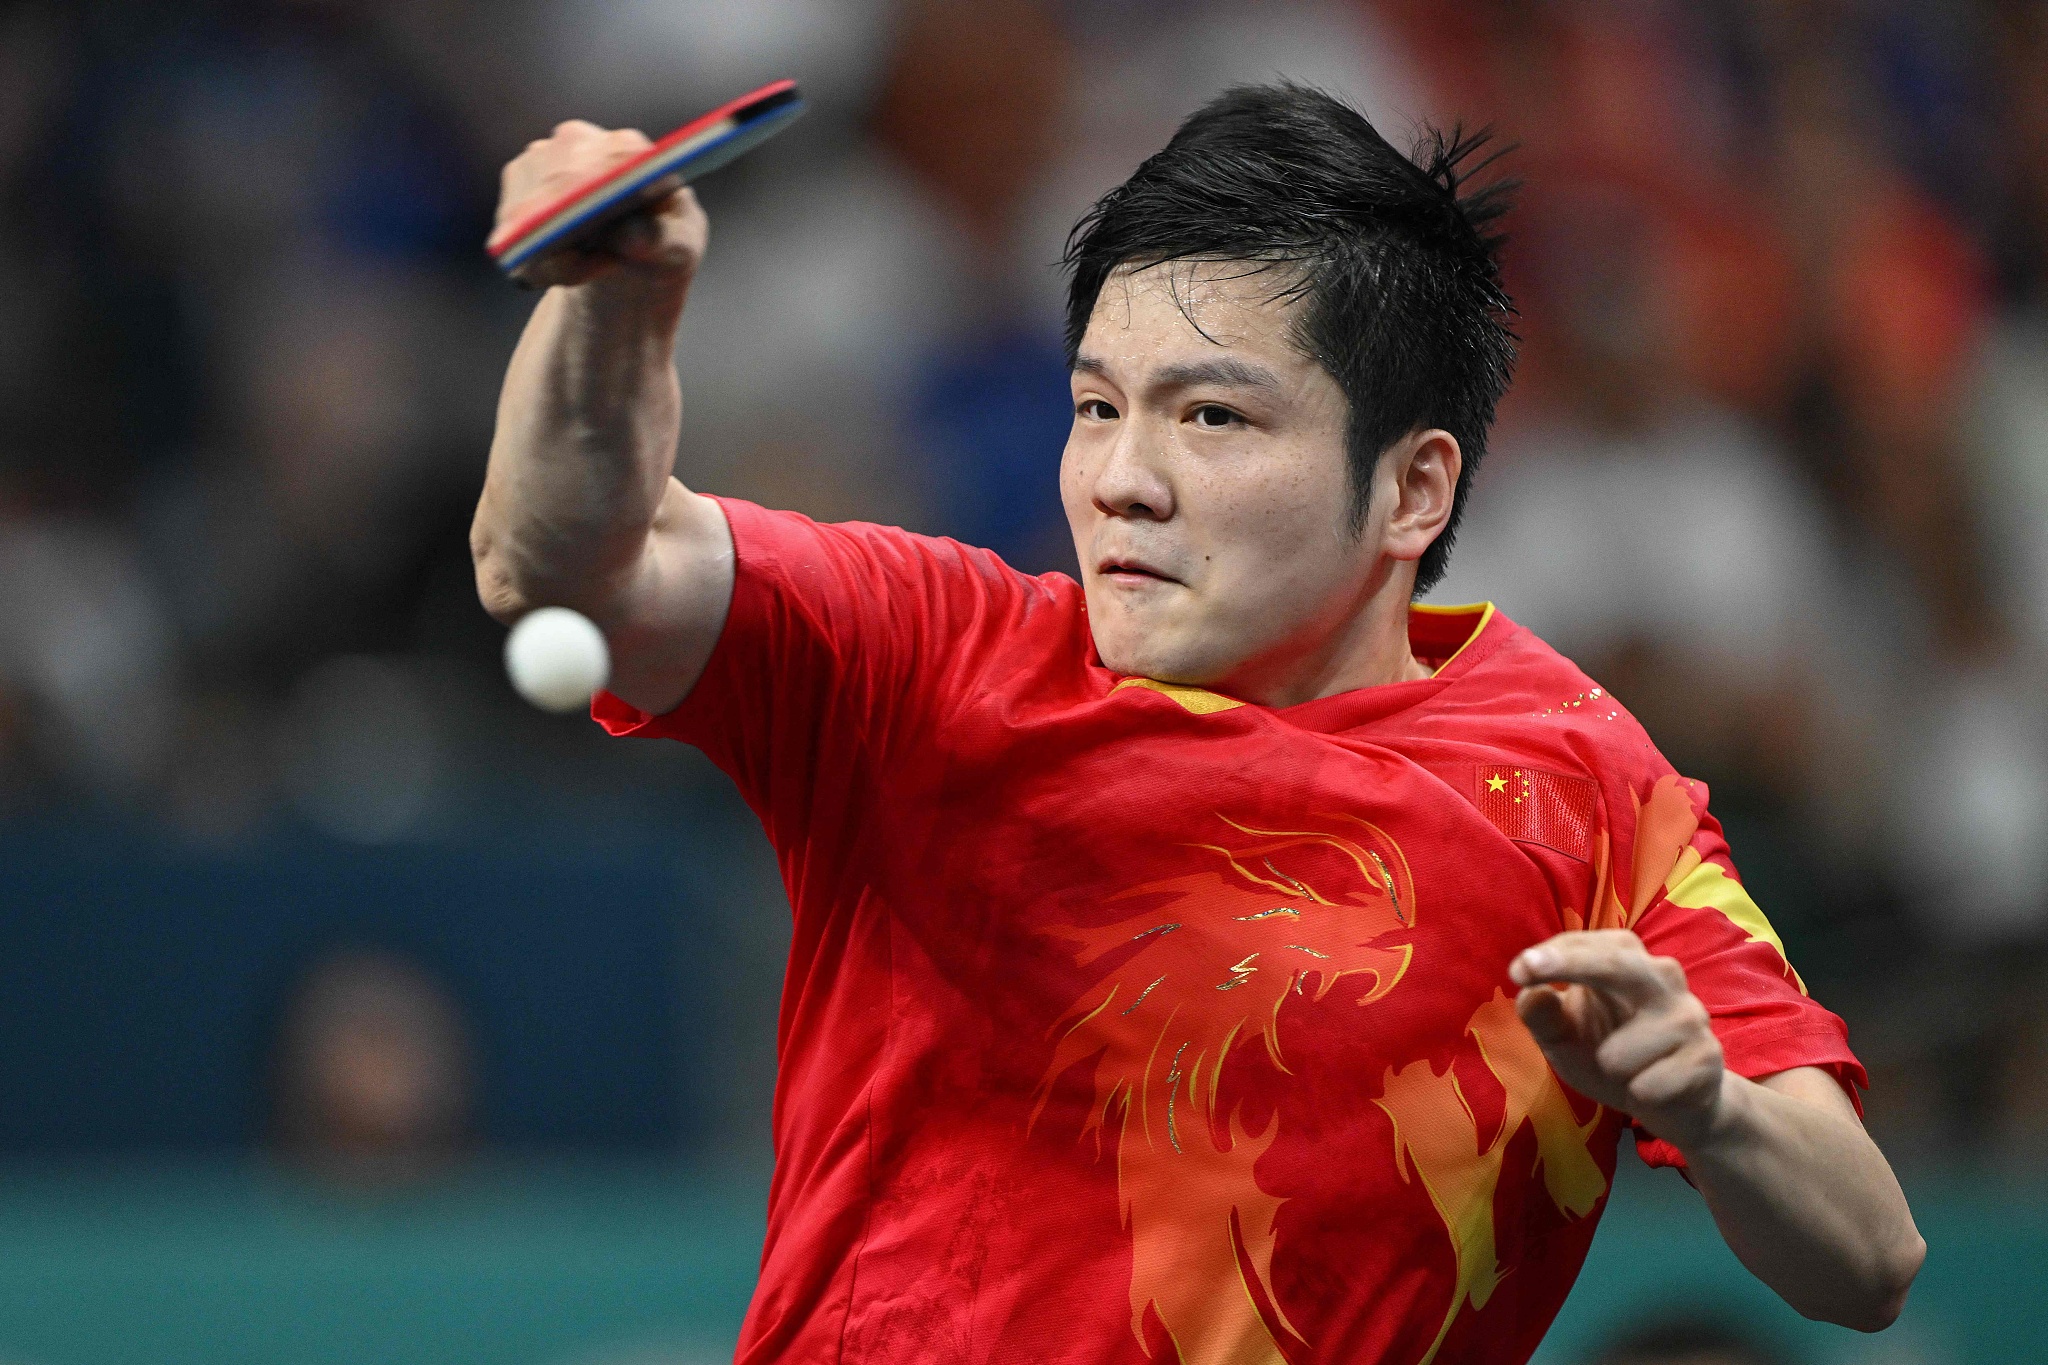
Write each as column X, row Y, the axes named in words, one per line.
column 1545, row 1013
column 667, row 234
column 566, row 265
column 637, row 238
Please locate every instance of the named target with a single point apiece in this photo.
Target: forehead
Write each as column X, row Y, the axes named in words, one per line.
column 1167, row 312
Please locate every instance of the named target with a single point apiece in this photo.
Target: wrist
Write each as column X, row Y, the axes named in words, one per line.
column 637, row 300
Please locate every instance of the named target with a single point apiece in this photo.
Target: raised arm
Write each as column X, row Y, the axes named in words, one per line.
column 580, row 506
column 1800, row 1192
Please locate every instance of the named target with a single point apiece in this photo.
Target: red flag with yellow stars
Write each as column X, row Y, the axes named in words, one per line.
column 1538, row 807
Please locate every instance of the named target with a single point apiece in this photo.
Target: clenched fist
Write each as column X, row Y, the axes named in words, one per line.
column 665, row 240
column 1621, row 1027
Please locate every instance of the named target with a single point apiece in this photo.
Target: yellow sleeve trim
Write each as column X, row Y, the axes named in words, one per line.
column 1194, row 700
column 1695, row 884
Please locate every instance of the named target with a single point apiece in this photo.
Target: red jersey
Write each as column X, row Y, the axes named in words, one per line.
column 1129, row 1022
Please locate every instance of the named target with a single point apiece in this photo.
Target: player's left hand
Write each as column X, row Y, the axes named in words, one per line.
column 1621, row 1027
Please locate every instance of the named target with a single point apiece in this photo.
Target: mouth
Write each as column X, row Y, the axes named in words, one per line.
column 1132, row 573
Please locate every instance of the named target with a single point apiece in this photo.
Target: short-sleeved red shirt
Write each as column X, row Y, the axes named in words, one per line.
column 1128, row 1022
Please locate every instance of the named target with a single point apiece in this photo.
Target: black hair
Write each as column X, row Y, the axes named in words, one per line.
column 1395, row 264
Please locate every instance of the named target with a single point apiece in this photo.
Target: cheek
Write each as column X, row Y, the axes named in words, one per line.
column 1275, row 513
column 1279, row 542
column 1073, row 479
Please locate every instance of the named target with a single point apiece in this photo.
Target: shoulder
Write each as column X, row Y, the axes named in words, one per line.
column 1507, row 671
column 1527, row 702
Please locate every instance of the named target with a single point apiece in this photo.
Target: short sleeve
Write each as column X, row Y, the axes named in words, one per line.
column 843, row 642
column 1687, row 902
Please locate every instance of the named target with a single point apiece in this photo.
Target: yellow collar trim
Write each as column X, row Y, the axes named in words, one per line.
column 1194, row 700
column 1485, row 610
column 1202, row 702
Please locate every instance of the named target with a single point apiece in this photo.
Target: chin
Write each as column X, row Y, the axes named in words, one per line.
column 1140, row 654
column 1120, row 648
column 1153, row 639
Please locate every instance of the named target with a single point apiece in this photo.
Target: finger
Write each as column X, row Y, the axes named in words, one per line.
column 1611, row 961
column 642, row 235
column 635, row 238
column 1543, row 1012
column 672, row 237
column 1642, row 1042
column 1689, row 1075
column 681, row 210
column 1584, row 1015
column 638, row 239
column 608, row 147
column 1559, row 949
column 574, row 150
column 564, row 265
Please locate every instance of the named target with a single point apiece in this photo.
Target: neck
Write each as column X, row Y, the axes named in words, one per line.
column 1366, row 647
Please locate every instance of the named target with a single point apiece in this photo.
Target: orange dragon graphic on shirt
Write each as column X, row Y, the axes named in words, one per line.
column 1274, row 914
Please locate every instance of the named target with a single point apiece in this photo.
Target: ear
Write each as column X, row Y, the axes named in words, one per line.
column 1419, row 474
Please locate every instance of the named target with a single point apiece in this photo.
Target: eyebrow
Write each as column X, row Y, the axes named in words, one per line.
column 1228, row 372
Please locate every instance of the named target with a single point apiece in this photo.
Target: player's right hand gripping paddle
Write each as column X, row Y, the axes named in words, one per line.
column 691, row 151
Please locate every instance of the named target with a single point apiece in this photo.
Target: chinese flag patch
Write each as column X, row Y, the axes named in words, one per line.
column 1538, row 807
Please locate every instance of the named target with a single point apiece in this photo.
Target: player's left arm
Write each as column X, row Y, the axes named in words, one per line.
column 1802, row 1195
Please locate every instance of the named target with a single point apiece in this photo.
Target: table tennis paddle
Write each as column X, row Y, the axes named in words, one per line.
column 693, row 150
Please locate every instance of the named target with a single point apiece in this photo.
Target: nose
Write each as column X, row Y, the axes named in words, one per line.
column 1131, row 482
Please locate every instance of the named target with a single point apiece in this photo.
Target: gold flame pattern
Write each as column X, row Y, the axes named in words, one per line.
column 1286, row 913
column 1437, row 1136
column 1206, row 968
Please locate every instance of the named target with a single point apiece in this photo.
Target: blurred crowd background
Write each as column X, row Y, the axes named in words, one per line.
column 285, row 868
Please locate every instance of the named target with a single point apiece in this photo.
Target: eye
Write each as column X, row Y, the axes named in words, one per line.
column 1213, row 417
column 1096, row 410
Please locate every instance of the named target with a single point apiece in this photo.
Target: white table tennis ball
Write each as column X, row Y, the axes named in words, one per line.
column 557, row 658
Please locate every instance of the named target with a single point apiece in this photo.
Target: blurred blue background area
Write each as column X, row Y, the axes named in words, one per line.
column 145, row 995
column 351, row 1010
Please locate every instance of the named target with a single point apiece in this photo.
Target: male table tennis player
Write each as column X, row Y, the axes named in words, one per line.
column 1221, row 958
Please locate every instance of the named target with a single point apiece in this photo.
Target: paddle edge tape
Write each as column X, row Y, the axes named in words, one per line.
column 691, row 151
column 620, row 195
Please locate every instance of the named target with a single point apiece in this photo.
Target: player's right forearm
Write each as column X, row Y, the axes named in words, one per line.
column 584, row 449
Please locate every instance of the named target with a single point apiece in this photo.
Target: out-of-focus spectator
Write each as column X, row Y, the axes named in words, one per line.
column 2010, row 449
column 657, row 62
column 1647, row 528
column 1894, row 309
column 979, row 131
column 1685, row 1340
column 374, row 1074
column 87, row 649
column 870, row 340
